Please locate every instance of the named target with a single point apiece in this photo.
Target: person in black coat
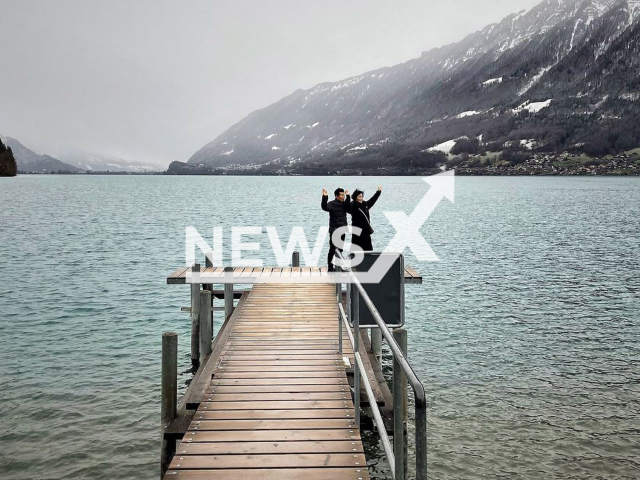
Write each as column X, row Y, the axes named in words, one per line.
column 337, row 209
column 360, row 218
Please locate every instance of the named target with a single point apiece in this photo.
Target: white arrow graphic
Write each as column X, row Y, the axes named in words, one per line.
column 408, row 227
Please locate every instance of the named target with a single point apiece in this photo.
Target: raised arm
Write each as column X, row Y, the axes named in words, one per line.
column 372, row 201
column 325, row 199
column 347, row 203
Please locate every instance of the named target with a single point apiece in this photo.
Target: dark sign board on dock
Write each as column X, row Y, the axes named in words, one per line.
column 387, row 296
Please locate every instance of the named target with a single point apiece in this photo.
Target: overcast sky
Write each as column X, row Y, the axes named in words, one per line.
column 154, row 80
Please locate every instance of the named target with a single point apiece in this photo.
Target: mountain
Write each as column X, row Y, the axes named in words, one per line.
column 29, row 161
column 562, row 77
column 7, row 162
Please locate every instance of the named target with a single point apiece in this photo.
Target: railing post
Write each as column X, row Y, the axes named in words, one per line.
column 169, row 395
column 228, row 292
column 356, row 348
column 399, row 406
column 376, row 342
column 421, row 444
column 206, row 333
column 195, row 317
column 295, row 259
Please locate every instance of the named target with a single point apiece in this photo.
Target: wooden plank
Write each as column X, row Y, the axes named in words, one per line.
column 299, row 350
column 271, row 356
column 233, row 367
column 281, row 335
column 288, row 374
column 347, row 473
column 411, row 276
column 271, row 435
column 180, row 272
column 177, row 277
column 311, row 342
column 266, row 272
column 408, row 277
column 303, row 460
column 202, row 425
column 284, row 347
column 275, row 405
column 279, row 381
column 274, row 414
column 270, row 363
column 275, row 388
column 218, row 396
column 256, row 448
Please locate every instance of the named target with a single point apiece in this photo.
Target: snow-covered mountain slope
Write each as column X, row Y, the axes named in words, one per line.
column 94, row 162
column 557, row 74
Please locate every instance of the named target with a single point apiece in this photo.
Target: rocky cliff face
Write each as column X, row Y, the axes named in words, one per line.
column 564, row 76
column 8, row 166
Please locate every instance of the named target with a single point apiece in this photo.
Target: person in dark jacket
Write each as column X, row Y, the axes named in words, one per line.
column 360, row 218
column 337, row 209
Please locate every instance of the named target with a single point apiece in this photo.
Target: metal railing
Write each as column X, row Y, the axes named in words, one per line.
column 395, row 455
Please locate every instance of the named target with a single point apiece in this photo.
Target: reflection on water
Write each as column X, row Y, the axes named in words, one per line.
column 525, row 333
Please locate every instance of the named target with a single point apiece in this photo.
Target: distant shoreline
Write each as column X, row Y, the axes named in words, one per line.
column 367, row 174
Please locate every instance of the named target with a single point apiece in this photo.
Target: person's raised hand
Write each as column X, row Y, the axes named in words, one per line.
column 346, row 192
column 380, row 188
column 324, row 192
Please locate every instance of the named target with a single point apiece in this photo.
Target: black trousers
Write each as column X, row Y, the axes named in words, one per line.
column 363, row 241
column 332, row 250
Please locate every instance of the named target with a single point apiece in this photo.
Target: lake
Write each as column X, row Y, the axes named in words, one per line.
column 526, row 332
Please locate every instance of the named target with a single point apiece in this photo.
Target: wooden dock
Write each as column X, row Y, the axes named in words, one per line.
column 254, row 274
column 278, row 404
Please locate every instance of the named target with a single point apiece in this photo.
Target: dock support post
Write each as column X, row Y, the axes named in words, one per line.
column 169, row 398
column 376, row 342
column 228, row 292
column 295, row 259
column 399, row 407
column 356, row 348
column 195, row 317
column 208, row 264
column 206, row 333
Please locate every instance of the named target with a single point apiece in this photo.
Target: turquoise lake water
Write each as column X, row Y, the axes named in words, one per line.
column 526, row 332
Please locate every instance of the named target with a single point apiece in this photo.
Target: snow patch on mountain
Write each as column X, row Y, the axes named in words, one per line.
column 492, row 81
column 359, row 147
column 347, row 83
column 534, row 80
column 444, row 147
column 534, row 107
column 468, row 113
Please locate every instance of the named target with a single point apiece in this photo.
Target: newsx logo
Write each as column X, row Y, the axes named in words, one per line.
column 407, row 235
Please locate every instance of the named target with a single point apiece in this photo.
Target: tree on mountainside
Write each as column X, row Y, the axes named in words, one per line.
column 8, row 167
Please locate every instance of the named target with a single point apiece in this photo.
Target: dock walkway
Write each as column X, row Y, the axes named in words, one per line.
column 279, row 404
